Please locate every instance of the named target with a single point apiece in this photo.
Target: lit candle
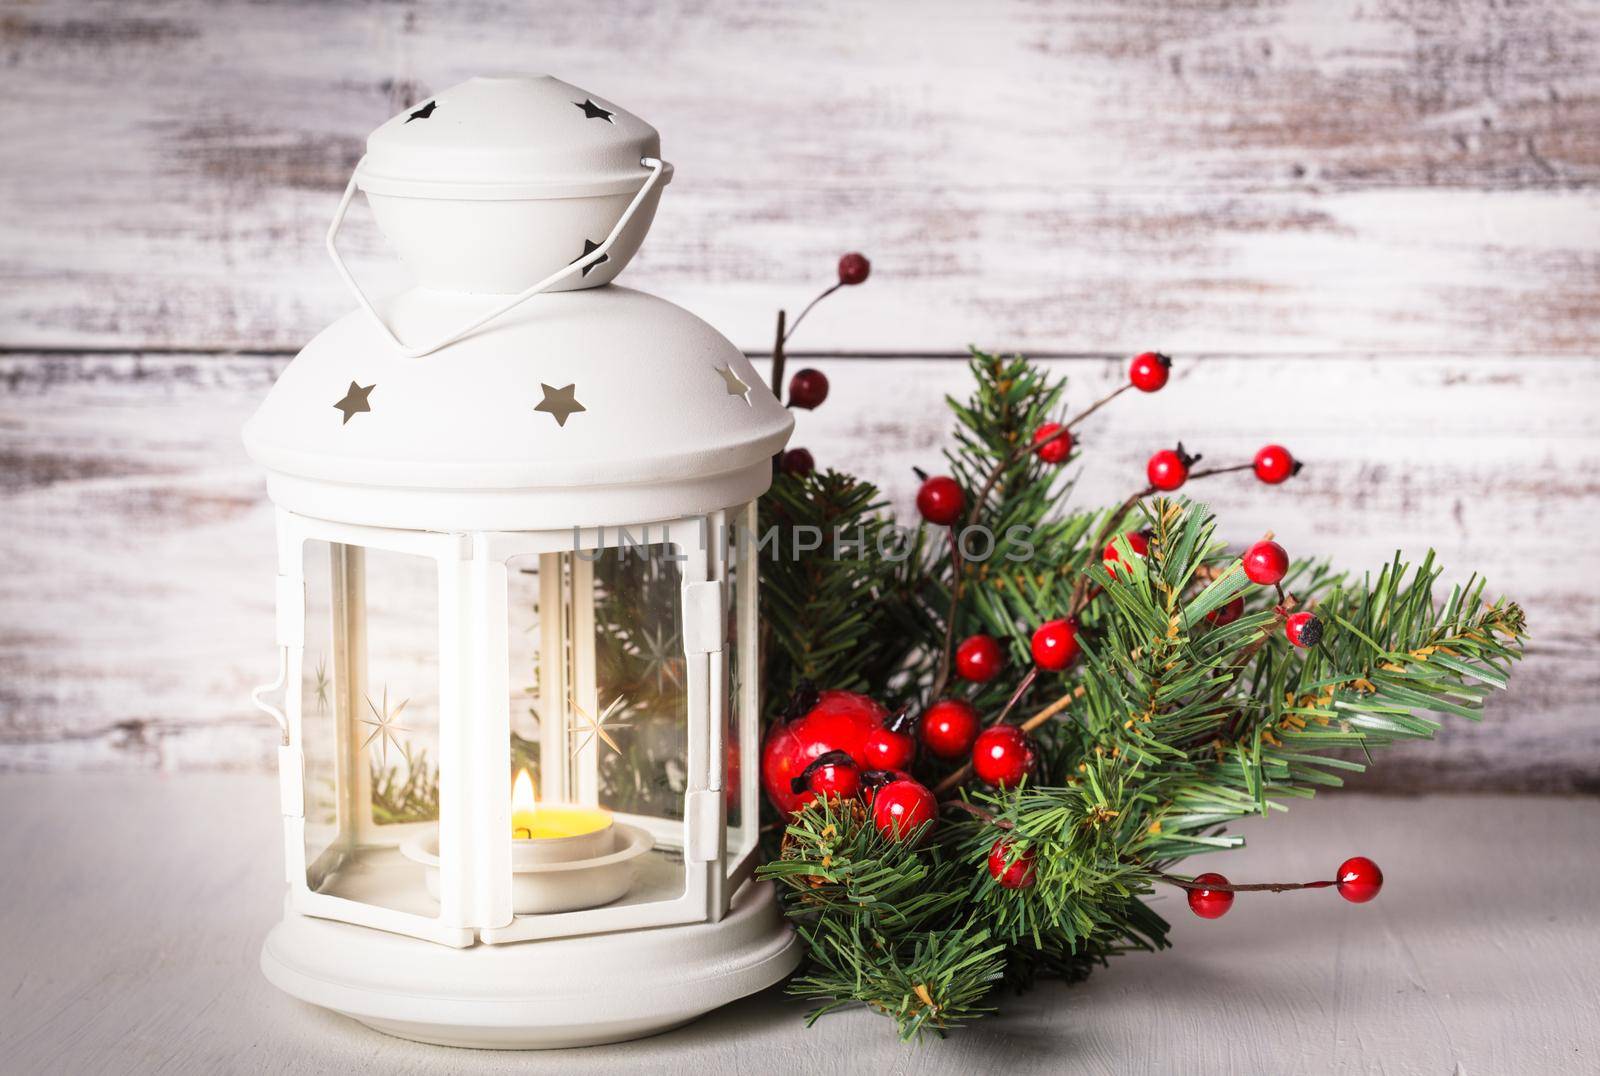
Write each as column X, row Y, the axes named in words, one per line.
column 531, row 822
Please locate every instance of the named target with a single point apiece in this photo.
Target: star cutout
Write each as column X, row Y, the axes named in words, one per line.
column 355, row 401
column 736, row 387
column 596, row 727
column 385, row 723
column 589, row 247
column 562, row 403
column 593, row 111
column 422, row 113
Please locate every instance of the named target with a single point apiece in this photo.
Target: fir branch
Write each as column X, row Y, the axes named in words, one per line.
column 1178, row 724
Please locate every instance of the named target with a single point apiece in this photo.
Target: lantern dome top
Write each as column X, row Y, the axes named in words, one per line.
column 598, row 407
column 528, row 136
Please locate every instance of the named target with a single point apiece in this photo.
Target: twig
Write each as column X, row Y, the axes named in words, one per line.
column 782, row 336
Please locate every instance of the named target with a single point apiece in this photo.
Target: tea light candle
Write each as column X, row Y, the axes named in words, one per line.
column 531, row 822
column 564, row 856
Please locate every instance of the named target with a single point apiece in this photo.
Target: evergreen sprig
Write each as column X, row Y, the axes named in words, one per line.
column 1170, row 726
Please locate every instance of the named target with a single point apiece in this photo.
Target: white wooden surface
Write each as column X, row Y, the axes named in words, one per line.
column 132, row 911
column 1369, row 230
column 140, row 546
column 1080, row 176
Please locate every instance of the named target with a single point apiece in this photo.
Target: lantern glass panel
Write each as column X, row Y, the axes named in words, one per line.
column 641, row 733
column 599, row 685
column 526, row 658
column 396, row 704
column 599, row 709
column 369, row 718
column 320, row 707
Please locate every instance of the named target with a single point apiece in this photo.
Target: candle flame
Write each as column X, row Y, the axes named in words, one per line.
column 522, row 797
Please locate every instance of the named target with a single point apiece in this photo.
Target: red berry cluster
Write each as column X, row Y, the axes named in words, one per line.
column 1266, row 563
column 840, row 743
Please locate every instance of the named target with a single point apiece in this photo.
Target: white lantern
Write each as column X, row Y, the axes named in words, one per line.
column 520, row 729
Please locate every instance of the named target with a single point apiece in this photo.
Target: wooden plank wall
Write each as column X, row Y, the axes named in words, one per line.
column 1371, row 230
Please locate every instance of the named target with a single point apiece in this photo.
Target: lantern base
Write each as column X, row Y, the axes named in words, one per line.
column 539, row 995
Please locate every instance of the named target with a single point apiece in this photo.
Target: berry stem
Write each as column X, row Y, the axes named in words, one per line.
column 1025, row 447
column 978, row 812
column 1097, row 405
column 1080, row 588
column 1248, row 887
column 795, row 324
column 1079, row 601
column 1011, row 703
column 778, row 356
column 948, row 655
column 1220, row 470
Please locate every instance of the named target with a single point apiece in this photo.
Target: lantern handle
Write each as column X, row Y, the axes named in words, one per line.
column 416, row 351
column 266, row 707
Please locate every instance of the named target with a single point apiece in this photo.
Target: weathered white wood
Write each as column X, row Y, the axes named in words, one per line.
column 1071, row 177
column 133, row 912
column 135, row 609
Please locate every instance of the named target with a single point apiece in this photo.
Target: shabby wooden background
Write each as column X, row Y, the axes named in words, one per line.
column 1367, row 228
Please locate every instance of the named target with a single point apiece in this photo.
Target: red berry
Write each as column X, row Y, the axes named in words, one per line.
column 1012, row 872
column 941, row 501
column 979, row 659
column 1055, row 443
column 890, row 746
column 1359, row 879
column 1138, row 541
column 1055, row 645
column 1149, row 371
column 808, row 388
column 831, row 774
column 1210, row 903
column 1265, row 563
column 1303, row 629
column 1169, row 468
column 853, row 268
column 829, row 721
column 949, row 727
column 902, row 807
column 1002, row 755
column 1227, row 614
column 797, row 461
column 1274, row 464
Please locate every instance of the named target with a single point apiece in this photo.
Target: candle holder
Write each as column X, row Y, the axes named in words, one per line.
column 555, row 874
column 514, row 514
